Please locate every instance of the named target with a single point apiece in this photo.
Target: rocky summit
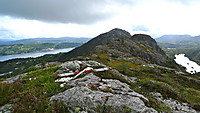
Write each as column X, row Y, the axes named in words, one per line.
column 102, row 39
column 120, row 43
column 125, row 74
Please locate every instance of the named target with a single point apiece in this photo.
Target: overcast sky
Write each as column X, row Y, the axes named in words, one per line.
column 89, row 18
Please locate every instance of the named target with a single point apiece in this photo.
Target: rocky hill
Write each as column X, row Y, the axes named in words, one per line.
column 138, row 45
column 139, row 78
column 102, row 39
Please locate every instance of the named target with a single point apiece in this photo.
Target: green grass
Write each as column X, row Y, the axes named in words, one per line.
column 32, row 95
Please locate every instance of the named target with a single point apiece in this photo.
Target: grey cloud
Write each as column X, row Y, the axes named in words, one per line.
column 64, row 11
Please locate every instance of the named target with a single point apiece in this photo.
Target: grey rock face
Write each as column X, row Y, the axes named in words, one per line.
column 6, row 108
column 176, row 106
column 95, row 95
column 131, row 79
column 77, row 65
column 148, row 41
column 72, row 65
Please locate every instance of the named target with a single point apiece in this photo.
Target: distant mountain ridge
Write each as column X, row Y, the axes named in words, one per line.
column 196, row 38
column 172, row 38
column 6, row 40
column 46, row 40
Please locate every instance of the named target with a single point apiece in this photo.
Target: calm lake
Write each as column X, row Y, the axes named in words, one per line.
column 33, row 54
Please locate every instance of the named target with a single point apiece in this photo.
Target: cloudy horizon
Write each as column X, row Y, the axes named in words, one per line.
column 88, row 18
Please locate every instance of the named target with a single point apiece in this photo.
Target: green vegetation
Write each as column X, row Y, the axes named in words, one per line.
column 44, row 40
column 26, row 48
column 154, row 79
column 30, row 95
column 191, row 52
column 33, row 95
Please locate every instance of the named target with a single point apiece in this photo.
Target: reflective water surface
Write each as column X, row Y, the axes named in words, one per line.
column 33, row 54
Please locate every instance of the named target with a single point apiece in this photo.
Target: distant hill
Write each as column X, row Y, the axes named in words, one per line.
column 34, row 47
column 196, row 38
column 179, row 41
column 172, row 38
column 176, row 44
column 3, row 41
column 47, row 40
column 6, row 40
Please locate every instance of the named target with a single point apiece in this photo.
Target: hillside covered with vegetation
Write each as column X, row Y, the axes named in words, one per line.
column 26, row 48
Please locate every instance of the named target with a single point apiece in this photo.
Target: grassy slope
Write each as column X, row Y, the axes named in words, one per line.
column 156, row 79
column 29, row 96
column 33, row 95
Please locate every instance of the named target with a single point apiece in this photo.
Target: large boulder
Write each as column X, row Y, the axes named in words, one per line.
column 93, row 94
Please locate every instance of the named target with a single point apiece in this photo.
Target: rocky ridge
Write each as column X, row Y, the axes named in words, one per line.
column 102, row 39
column 93, row 94
column 136, row 45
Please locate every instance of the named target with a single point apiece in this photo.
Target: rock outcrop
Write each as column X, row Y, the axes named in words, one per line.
column 148, row 41
column 92, row 94
column 6, row 108
column 176, row 106
column 14, row 79
column 130, row 48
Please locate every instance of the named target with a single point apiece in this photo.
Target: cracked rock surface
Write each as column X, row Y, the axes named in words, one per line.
column 92, row 94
